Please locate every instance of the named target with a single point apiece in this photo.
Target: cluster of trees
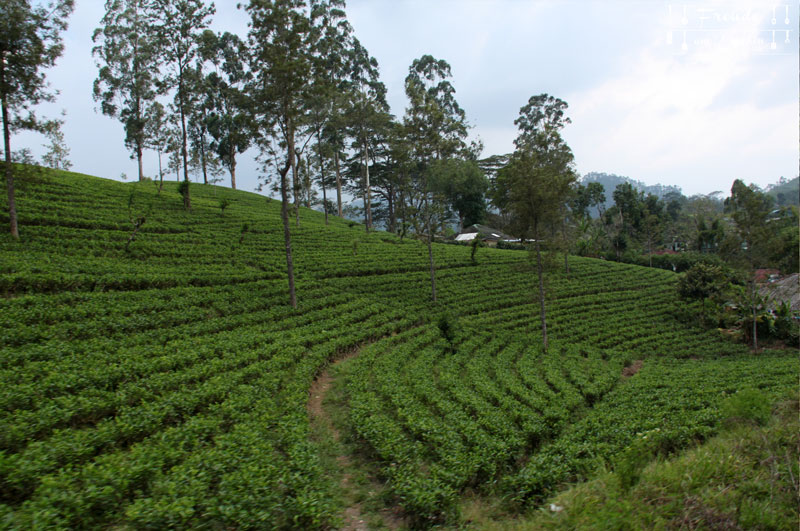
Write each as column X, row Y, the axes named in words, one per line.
column 303, row 91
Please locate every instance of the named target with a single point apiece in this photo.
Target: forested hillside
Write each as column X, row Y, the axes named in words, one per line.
column 154, row 374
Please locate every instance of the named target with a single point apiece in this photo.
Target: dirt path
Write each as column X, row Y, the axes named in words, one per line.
column 353, row 516
column 632, row 369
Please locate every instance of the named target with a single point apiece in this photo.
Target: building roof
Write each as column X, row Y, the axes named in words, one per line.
column 483, row 232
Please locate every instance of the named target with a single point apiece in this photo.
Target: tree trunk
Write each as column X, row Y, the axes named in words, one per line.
column 755, row 327
column 233, row 167
column 307, row 181
column 390, row 201
column 338, row 182
column 295, row 183
column 187, row 202
column 12, row 204
column 139, row 160
column 287, row 237
column 402, row 215
column 540, row 271
column 566, row 245
column 367, row 190
column 322, row 178
column 203, row 159
column 160, row 171
column 430, row 254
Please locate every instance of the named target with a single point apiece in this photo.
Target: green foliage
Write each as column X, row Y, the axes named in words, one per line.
column 703, row 282
column 474, row 244
column 634, row 458
column 128, row 64
column 167, row 386
column 223, row 204
column 703, row 487
column 446, row 328
column 747, row 405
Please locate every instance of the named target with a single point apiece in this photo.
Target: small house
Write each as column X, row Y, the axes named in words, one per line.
column 487, row 235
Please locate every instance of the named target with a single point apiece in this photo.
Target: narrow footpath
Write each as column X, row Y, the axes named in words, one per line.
column 360, row 490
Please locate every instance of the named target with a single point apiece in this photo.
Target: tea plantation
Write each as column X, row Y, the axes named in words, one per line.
column 164, row 382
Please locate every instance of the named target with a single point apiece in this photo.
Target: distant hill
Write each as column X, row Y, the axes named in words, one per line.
column 785, row 192
column 610, row 182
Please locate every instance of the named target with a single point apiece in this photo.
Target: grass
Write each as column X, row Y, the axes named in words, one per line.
column 744, row 478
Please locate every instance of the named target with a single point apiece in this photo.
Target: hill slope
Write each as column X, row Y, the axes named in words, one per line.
column 166, row 385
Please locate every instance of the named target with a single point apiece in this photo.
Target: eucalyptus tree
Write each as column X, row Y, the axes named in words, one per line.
column 30, row 41
column 539, row 176
column 367, row 114
column 126, row 50
column 437, row 129
column 157, row 134
column 331, row 40
column 200, row 104
column 178, row 24
column 230, row 115
column 281, row 62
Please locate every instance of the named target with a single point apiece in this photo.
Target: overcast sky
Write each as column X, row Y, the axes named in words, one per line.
column 690, row 94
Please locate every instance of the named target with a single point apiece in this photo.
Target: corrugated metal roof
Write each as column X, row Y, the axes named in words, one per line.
column 466, row 237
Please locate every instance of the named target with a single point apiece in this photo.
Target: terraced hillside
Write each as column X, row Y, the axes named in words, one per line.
column 163, row 383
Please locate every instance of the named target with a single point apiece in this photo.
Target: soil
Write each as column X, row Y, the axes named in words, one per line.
column 632, row 369
column 352, row 516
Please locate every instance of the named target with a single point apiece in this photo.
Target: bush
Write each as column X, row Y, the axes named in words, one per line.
column 747, row 405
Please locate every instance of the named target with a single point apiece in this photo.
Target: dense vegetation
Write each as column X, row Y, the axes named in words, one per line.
column 161, row 380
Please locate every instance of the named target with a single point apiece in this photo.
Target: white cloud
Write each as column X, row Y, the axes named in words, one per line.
column 664, row 120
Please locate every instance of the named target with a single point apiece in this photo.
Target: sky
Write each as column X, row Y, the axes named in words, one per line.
column 692, row 94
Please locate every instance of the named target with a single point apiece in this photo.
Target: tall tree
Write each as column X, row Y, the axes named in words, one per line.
column 436, row 126
column 333, row 36
column 368, row 114
column 539, row 177
column 157, row 134
column 750, row 209
column 127, row 59
column 201, row 108
column 30, row 41
column 178, row 24
column 280, row 35
column 230, row 120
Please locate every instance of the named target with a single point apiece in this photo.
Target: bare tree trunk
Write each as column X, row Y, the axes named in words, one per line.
column 187, row 202
column 755, row 327
column 139, row 160
column 430, row 253
column 368, row 189
column 160, row 171
column 322, row 177
column 287, row 237
column 540, row 271
column 392, row 218
column 402, row 215
column 295, row 184
column 338, row 183
column 307, row 183
column 233, row 167
column 203, row 160
column 566, row 245
column 12, row 204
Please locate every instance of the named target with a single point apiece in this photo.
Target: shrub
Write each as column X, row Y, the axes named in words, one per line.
column 747, row 405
